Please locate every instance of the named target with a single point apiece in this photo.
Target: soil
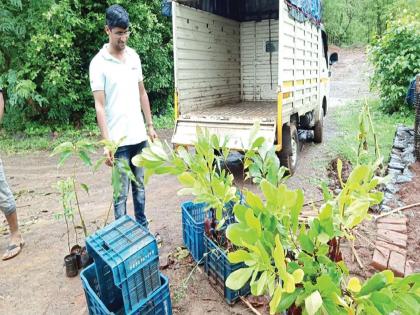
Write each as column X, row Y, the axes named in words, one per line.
column 35, row 283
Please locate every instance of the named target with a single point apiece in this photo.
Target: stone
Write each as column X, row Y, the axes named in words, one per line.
column 408, row 159
column 390, row 188
column 396, row 151
column 391, row 247
column 394, row 172
column 397, row 263
column 402, row 228
column 397, row 166
column 407, row 172
column 392, row 220
column 380, row 258
column 396, row 158
column 399, row 144
column 385, row 208
column 401, row 179
column 389, row 196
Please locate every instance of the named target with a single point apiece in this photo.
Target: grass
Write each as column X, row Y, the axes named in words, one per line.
column 347, row 121
column 40, row 138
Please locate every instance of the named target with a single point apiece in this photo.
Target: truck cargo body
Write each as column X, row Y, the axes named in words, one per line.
column 231, row 73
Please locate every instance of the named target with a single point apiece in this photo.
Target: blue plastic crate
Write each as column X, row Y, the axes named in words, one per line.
column 126, row 256
column 193, row 216
column 94, row 304
column 158, row 303
column 218, row 268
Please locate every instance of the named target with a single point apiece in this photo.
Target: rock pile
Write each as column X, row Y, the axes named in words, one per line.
column 402, row 156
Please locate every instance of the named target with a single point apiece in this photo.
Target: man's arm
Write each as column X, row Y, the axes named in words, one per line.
column 1, row 106
column 145, row 106
column 99, row 97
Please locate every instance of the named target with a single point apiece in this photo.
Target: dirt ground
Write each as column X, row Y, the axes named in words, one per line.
column 35, row 283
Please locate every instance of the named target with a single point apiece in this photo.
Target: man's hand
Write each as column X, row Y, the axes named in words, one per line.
column 109, row 157
column 151, row 133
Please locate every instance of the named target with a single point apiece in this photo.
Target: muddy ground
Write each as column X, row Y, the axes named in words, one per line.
column 34, row 282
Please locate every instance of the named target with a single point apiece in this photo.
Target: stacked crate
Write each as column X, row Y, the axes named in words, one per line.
column 125, row 277
column 204, row 250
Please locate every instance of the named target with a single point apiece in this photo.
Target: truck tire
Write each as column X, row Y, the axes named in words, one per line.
column 318, row 129
column 290, row 148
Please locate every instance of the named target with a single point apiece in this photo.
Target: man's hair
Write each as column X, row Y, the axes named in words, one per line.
column 117, row 16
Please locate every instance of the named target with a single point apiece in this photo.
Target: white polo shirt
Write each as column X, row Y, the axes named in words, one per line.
column 119, row 80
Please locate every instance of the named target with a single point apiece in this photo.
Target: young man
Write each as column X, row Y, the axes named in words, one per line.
column 8, row 207
column 116, row 80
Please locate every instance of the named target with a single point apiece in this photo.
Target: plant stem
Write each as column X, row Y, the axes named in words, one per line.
column 68, row 232
column 109, row 211
column 75, row 230
column 78, row 208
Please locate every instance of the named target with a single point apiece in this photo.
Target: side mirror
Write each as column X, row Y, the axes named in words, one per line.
column 333, row 58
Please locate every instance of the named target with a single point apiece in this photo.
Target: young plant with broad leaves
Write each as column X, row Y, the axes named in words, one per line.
column 296, row 262
column 81, row 149
column 120, row 167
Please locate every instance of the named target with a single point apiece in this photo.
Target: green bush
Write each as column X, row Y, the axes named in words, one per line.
column 46, row 49
column 395, row 57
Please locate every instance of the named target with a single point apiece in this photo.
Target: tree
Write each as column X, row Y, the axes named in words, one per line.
column 47, row 47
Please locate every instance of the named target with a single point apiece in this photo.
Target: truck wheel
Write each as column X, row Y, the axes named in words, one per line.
column 318, row 129
column 290, row 148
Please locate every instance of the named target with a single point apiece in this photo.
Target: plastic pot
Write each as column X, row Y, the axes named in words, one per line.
column 77, row 250
column 70, row 261
column 85, row 258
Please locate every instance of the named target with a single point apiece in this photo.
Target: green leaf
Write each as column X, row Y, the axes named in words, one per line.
column 275, row 300
column 237, row 234
column 269, row 191
column 186, row 179
column 239, row 256
column 99, row 163
column 288, row 299
column 306, row 243
column 63, row 147
column 252, row 221
column 296, row 210
column 313, row 303
column 278, row 254
column 64, row 156
column 289, row 283
column 376, row 282
column 354, row 285
column 262, row 282
column 116, row 182
column 253, row 200
column 298, row 275
column 85, row 188
column 237, row 279
column 85, row 158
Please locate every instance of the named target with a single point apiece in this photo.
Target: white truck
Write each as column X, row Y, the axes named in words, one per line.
column 237, row 62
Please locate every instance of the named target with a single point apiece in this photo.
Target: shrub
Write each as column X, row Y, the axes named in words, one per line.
column 395, row 57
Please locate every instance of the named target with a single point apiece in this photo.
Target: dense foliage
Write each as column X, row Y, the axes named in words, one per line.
column 354, row 21
column 395, row 55
column 45, row 52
